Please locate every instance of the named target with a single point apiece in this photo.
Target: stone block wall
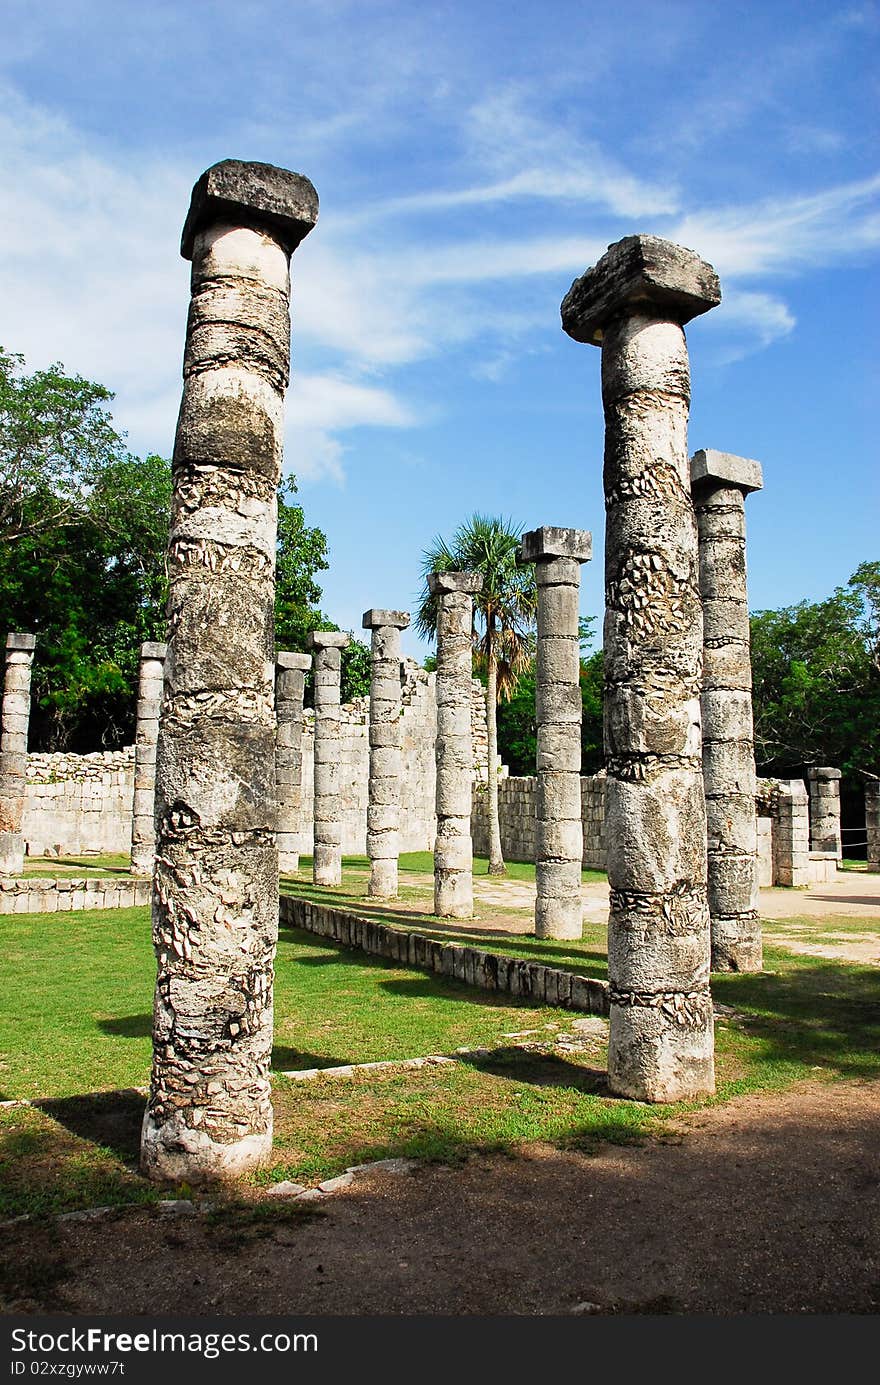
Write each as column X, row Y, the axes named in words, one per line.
column 79, row 805
column 517, row 809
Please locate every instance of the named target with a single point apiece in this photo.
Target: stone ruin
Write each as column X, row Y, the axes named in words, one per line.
column 218, row 792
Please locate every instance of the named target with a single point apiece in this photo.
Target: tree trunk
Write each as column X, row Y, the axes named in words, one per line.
column 496, row 860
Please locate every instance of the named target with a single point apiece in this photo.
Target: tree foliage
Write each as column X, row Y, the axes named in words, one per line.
column 816, row 671
column 83, row 565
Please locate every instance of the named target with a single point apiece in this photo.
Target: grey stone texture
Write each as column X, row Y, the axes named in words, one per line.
column 518, row 819
column 791, row 834
column 15, row 718
column 453, row 851
column 149, row 706
column 557, row 554
column 215, row 901
column 824, row 784
column 872, row 822
column 720, row 484
column 327, row 850
column 290, row 678
column 634, row 302
column 386, row 746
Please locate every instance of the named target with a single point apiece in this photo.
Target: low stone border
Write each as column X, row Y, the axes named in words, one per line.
column 41, row 896
column 491, row 971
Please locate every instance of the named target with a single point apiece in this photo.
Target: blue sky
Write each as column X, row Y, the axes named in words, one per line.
column 471, row 160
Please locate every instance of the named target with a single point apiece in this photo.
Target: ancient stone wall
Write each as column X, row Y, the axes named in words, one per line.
column 517, row 812
column 79, row 805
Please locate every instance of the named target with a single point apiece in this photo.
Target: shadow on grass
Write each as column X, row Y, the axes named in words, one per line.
column 110, row 1119
column 128, row 1026
column 542, row 1070
column 286, row 1059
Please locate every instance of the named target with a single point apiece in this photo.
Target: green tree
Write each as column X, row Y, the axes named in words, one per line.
column 504, row 614
column 816, row 672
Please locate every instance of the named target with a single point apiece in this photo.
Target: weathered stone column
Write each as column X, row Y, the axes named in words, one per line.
column 149, row 707
column 557, row 555
column 16, row 717
column 215, row 901
column 720, row 484
column 824, row 785
column 290, row 681
column 633, row 303
column 386, row 743
column 453, row 852
column 327, row 858
column 872, row 822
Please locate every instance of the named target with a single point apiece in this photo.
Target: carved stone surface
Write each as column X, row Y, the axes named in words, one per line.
column 327, row 853
column 720, row 483
column 149, row 707
column 215, row 904
column 13, row 749
column 453, row 852
column 558, row 554
column 383, row 806
column 290, row 678
column 661, row 1045
column 824, row 785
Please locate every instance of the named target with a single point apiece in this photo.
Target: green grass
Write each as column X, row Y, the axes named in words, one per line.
column 76, row 1020
column 59, row 867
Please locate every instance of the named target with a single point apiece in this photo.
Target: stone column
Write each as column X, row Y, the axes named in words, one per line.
column 327, row 857
column 791, row 835
column 633, row 303
column 290, row 681
column 215, row 900
column 453, row 851
column 386, row 743
column 557, row 555
column 149, row 707
column 872, row 822
column 824, row 784
column 720, row 484
column 14, row 749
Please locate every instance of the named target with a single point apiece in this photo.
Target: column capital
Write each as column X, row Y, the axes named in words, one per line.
column 549, row 542
column 252, row 194
column 639, row 274
column 328, row 639
column 709, row 467
column 376, row 619
column 154, row 649
column 823, row 772
column 284, row 659
column 16, row 640
column 442, row 583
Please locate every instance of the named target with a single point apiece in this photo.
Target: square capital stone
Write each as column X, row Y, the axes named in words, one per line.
column 252, row 194
column 639, row 274
column 725, row 469
column 328, row 639
column 440, row 583
column 16, row 640
column 153, row 649
column 285, row 659
column 375, row 619
column 823, row 772
column 551, row 542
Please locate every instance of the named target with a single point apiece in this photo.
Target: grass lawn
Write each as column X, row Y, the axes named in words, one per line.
column 55, row 867
column 78, row 992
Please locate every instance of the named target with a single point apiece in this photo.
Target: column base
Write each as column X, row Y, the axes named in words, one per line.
column 383, row 879
column 11, row 853
column 288, row 862
column 657, row 1058
column 175, row 1152
column 559, row 918
column 453, row 895
column 327, row 866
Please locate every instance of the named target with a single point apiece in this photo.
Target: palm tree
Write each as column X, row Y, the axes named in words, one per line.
column 504, row 614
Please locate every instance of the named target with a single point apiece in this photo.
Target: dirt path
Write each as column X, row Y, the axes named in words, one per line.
column 769, row 1204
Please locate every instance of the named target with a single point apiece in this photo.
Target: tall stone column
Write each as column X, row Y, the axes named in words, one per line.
column 215, row 899
column 290, row 680
column 386, row 744
column 557, row 555
column 16, row 716
column 824, row 785
column 149, row 707
column 453, row 851
column 872, row 822
column 634, row 303
column 720, row 484
column 327, row 857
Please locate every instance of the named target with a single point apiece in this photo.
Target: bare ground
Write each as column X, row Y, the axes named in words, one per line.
column 769, row 1204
